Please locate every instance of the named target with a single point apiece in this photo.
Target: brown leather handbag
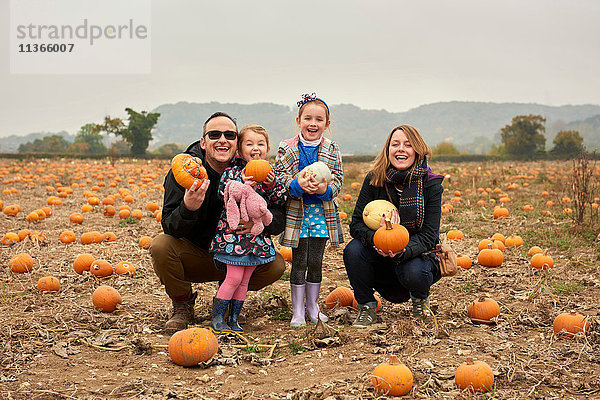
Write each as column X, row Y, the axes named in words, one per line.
column 447, row 259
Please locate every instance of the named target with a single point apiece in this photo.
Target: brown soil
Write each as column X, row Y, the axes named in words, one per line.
column 57, row 346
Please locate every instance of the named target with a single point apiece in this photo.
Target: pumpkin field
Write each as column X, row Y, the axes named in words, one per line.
column 83, row 312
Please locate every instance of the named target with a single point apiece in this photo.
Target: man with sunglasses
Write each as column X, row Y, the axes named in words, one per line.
column 189, row 219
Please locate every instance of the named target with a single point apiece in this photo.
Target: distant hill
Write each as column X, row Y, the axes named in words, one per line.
column 10, row 144
column 472, row 126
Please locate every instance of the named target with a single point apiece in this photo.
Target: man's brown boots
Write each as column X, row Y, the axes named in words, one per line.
column 183, row 313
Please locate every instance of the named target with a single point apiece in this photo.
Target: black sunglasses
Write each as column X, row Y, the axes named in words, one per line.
column 214, row 135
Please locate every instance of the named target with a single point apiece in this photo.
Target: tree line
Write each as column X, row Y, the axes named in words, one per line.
column 135, row 136
column 523, row 139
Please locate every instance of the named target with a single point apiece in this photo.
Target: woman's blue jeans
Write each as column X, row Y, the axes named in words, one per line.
column 396, row 282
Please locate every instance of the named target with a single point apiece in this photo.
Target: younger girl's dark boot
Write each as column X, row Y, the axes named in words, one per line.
column 234, row 313
column 218, row 324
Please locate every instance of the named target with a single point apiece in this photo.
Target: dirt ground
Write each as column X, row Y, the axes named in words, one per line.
column 58, row 346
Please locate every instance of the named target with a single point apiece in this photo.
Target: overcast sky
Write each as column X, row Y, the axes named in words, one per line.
column 393, row 55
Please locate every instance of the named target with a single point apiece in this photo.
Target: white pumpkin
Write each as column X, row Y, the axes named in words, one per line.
column 319, row 170
column 376, row 209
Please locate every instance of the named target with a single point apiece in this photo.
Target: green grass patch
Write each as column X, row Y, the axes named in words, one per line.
column 296, row 346
column 565, row 287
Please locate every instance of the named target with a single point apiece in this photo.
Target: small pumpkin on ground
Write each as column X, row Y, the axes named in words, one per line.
column 286, row 252
column 393, row 378
column 144, row 242
column 191, row 346
column 21, row 263
column 106, row 298
column 455, row 234
column 83, row 262
column 542, row 261
column 339, row 297
column 571, row 323
column 490, row 257
column 474, row 375
column 463, row 261
column 101, row 268
column 48, row 284
column 482, row 311
column 124, row 267
column 67, row 237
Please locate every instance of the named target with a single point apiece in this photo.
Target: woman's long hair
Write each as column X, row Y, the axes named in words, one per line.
column 382, row 161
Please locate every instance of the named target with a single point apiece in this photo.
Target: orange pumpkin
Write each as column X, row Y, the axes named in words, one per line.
column 83, row 262
column 455, row 234
column 570, row 324
column 476, row 375
column 483, row 244
column 109, row 211
column 534, row 250
column 542, row 261
column 514, row 241
column 463, row 261
column 286, row 252
column 67, row 237
column 347, row 197
column 21, row 263
column 339, row 297
column 391, row 237
column 12, row 210
column 258, row 169
column 91, row 237
column 152, row 206
column 144, row 242
column 124, row 213
column 109, row 237
column 101, row 268
column 48, row 284
column 10, row 238
column 499, row 236
column 124, row 267
column 106, row 298
column 136, row 214
column 482, row 311
column 392, row 379
column 490, row 257
column 23, row 234
column 500, row 212
column 191, row 346
column 76, row 218
column 186, row 169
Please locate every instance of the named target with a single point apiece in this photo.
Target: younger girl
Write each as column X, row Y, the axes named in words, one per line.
column 242, row 252
column 311, row 211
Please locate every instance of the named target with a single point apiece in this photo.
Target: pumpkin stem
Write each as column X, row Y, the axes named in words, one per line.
column 394, row 360
column 470, row 360
column 388, row 224
column 490, row 246
column 482, row 299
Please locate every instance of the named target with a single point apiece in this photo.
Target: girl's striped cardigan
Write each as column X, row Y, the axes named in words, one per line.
column 286, row 167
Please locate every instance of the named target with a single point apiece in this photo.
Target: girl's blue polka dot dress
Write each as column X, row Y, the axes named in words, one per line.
column 313, row 222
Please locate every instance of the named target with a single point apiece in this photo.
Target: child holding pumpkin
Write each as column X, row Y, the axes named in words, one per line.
column 400, row 175
column 240, row 251
column 310, row 166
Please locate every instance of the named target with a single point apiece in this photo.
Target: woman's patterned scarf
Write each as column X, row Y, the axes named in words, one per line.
column 411, row 207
